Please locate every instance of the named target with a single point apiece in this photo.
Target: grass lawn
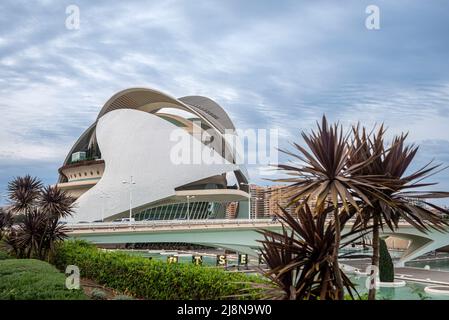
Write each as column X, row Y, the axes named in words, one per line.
column 29, row 279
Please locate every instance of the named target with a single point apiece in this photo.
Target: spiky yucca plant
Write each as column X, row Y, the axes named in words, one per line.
column 41, row 209
column 325, row 173
column 300, row 258
column 23, row 193
column 394, row 200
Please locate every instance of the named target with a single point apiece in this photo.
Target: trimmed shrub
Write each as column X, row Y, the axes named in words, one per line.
column 386, row 267
column 29, row 279
column 153, row 279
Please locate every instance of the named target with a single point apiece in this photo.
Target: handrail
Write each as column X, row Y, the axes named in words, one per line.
column 162, row 223
column 173, row 223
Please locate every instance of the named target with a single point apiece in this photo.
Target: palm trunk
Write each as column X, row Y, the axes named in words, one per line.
column 338, row 278
column 325, row 285
column 41, row 242
column 375, row 257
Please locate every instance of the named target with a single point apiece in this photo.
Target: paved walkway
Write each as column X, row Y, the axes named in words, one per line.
column 406, row 273
column 422, row 275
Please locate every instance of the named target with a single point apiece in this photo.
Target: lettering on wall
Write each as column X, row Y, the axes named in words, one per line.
column 172, row 259
column 221, row 260
column 197, row 260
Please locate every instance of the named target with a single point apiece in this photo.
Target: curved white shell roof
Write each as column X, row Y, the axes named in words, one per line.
column 134, row 141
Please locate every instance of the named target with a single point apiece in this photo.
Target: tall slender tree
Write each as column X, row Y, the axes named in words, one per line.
column 393, row 201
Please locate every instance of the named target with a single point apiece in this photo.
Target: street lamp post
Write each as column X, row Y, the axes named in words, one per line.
column 188, row 207
column 130, row 182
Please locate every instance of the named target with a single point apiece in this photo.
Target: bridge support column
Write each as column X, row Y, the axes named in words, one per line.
column 418, row 247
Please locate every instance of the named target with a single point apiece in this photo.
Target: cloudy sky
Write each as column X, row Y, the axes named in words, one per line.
column 270, row 64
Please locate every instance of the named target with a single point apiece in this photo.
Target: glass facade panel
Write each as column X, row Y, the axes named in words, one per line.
column 180, row 211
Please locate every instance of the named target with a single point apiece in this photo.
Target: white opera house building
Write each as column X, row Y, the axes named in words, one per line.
column 125, row 160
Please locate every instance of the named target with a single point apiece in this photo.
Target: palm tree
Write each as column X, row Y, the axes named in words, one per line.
column 23, row 193
column 56, row 204
column 393, row 201
column 29, row 233
column 300, row 257
column 41, row 208
column 326, row 174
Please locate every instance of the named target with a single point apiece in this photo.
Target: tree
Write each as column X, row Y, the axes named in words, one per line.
column 326, row 175
column 300, row 258
column 386, row 268
column 392, row 201
column 41, row 207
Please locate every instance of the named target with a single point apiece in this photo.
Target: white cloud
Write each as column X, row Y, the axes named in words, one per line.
column 274, row 65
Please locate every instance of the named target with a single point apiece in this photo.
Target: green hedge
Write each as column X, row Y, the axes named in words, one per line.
column 29, row 279
column 152, row 279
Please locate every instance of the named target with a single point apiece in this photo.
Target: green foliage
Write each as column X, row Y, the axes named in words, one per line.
column 419, row 292
column 42, row 207
column 29, row 279
column 386, row 267
column 152, row 279
column 4, row 255
column 98, row 294
column 361, row 297
column 3, row 252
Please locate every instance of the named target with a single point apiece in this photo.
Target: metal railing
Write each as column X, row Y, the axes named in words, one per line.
column 177, row 223
column 166, row 223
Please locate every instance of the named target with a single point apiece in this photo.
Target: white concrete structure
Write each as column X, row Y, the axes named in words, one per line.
column 136, row 136
column 242, row 234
